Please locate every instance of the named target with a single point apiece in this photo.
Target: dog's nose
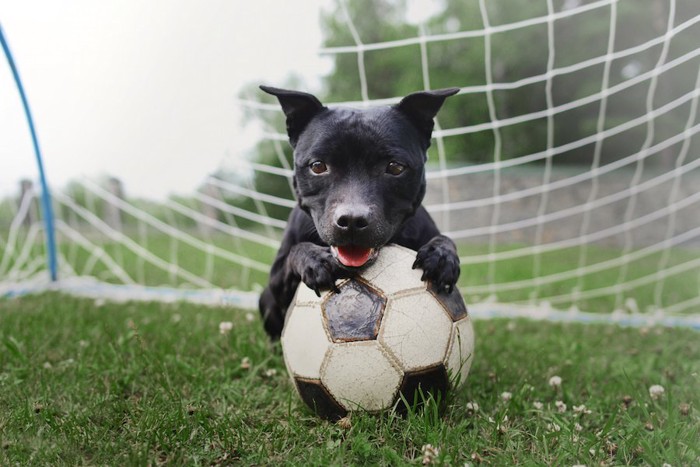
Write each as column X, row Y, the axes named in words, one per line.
column 352, row 218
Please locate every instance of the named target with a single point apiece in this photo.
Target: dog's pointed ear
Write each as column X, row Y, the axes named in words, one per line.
column 421, row 107
column 298, row 107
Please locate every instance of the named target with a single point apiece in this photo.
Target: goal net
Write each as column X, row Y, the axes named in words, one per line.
column 566, row 168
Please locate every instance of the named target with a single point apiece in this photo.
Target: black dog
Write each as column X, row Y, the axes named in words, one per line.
column 359, row 177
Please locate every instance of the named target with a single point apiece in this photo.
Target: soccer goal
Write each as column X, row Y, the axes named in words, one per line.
column 566, row 169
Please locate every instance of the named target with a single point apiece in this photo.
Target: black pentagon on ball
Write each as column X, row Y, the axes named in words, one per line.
column 452, row 302
column 316, row 396
column 354, row 313
column 418, row 385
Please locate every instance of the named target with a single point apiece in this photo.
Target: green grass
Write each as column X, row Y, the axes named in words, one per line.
column 221, row 272
column 226, row 274
column 217, row 270
column 677, row 288
column 147, row 384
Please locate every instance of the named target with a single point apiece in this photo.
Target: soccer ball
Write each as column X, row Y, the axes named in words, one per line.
column 379, row 342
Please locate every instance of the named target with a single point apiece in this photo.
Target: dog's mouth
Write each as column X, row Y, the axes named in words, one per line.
column 354, row 256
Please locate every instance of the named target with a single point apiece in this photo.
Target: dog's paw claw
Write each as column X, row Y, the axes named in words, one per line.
column 440, row 264
column 317, row 268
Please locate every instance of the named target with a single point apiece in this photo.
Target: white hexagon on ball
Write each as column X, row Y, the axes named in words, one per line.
column 361, row 375
column 306, row 296
column 416, row 330
column 392, row 271
column 461, row 352
column 305, row 342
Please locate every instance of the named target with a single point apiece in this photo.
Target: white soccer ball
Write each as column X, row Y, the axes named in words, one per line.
column 376, row 342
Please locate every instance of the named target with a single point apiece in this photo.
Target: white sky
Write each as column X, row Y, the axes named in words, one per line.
column 143, row 90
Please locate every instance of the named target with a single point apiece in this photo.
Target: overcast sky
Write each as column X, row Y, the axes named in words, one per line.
column 144, row 90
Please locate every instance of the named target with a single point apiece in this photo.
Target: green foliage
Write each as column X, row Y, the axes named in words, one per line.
column 390, row 72
column 514, row 55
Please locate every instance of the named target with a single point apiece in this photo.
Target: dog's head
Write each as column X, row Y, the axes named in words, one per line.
column 359, row 174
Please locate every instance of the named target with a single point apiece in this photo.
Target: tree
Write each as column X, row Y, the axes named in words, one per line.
column 516, row 54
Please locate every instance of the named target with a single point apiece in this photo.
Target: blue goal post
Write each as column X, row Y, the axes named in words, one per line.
column 46, row 207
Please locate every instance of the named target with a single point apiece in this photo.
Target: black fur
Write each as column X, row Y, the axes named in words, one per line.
column 356, row 198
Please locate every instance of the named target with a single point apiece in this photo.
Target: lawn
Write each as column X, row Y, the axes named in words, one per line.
column 85, row 382
column 507, row 279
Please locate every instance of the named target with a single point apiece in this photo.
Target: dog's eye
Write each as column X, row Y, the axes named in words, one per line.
column 318, row 167
column 394, row 168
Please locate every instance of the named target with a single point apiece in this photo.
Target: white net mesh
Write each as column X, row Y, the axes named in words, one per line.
column 563, row 225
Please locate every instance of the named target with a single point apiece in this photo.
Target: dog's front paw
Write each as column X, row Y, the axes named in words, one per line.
column 440, row 263
column 315, row 266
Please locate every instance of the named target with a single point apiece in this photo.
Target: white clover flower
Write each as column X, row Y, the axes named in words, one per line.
column 538, row 405
column 225, row 327
column 503, row 428
column 555, row 381
column 345, row 423
column 430, row 452
column 250, row 317
column 581, row 409
column 271, row 372
column 506, row 396
column 656, row 391
column 472, row 406
column 578, row 427
column 553, row 427
column 561, row 406
column 245, row 363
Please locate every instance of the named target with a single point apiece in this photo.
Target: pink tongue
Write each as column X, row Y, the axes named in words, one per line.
column 353, row 256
